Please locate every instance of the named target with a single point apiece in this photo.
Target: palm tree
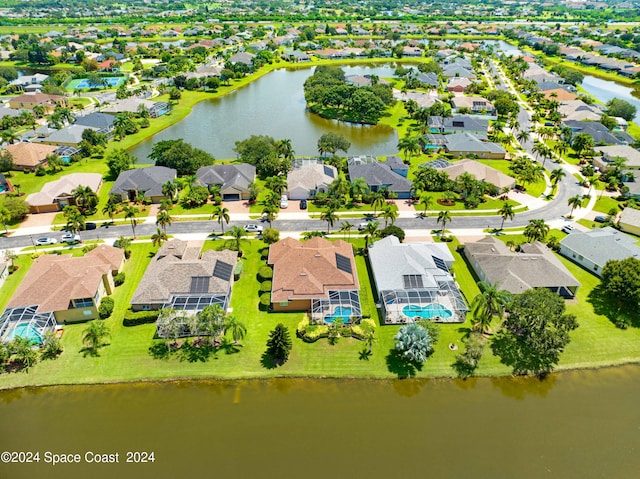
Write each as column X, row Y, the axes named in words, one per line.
column 237, row 329
column 270, row 212
column 346, row 226
column 506, row 211
column 444, row 217
column 378, row 202
column 164, row 219
column 574, row 202
column 95, row 334
column 277, row 184
column 490, row 302
column 556, row 176
column 523, row 136
column 340, row 188
column 330, row 216
column 592, row 179
column 237, row 234
column 371, row 231
column 130, row 213
column 110, row 209
column 409, row 145
column 426, row 201
column 85, row 197
column 369, row 335
column 169, row 189
column 5, row 217
column 536, row 230
column 389, row 212
column 284, row 149
column 75, row 219
column 159, row 237
column 359, row 187
column 221, row 215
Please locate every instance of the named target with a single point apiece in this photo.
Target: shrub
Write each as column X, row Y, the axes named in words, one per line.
column 311, row 332
column 265, row 287
column 358, row 330
column 393, row 230
column 118, row 279
column 270, row 236
column 265, row 301
column 140, row 317
column 106, row 307
column 89, row 247
column 265, row 272
column 51, row 346
column 40, row 171
column 264, row 253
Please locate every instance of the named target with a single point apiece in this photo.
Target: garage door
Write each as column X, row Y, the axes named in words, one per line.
column 231, row 197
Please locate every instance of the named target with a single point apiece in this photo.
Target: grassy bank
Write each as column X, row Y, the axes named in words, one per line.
column 596, row 343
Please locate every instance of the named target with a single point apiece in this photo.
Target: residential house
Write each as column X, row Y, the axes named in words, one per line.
column 245, row 58
column 233, row 179
column 534, row 266
column 133, row 105
column 143, row 182
column 592, row 249
column 60, row 289
column 317, row 276
column 30, row 82
column 630, row 221
column 307, row 180
column 559, row 94
column 459, row 124
column 475, row 104
column 608, row 155
column 68, row 136
column 480, row 172
column 101, row 121
column 600, row 133
column 579, row 111
column 458, row 85
column 429, row 79
column 397, row 165
column 28, row 156
column 414, row 281
column 380, row 175
column 180, row 277
column 55, row 195
column 29, row 100
column 467, row 144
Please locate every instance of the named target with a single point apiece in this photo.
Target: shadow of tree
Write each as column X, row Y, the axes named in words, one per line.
column 520, row 387
column 268, row 361
column 401, row 366
column 196, row 353
column 160, row 350
column 605, row 306
column 463, row 369
column 408, row 387
column 229, row 347
column 364, row 354
column 93, row 351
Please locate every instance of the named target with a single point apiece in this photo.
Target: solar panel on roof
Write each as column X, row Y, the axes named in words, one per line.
column 440, row 264
column 412, row 281
column 199, row 284
column 328, row 171
column 222, row 270
column 343, row 263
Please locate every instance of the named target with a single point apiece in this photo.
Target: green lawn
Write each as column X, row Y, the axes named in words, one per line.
column 606, row 203
column 596, row 342
column 534, row 189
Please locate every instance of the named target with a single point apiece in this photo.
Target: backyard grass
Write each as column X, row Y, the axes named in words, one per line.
column 606, row 203
column 533, row 189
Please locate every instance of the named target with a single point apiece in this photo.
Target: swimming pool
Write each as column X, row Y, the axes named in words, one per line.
column 25, row 330
column 342, row 312
column 429, row 311
column 111, row 81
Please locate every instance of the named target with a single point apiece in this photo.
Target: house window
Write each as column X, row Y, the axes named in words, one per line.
column 580, row 257
column 83, row 303
column 595, row 268
column 283, row 303
column 146, row 307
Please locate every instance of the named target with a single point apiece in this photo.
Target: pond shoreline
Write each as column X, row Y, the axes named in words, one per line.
column 312, row 377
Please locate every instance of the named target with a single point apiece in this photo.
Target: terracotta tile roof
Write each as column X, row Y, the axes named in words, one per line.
column 54, row 280
column 29, row 154
column 309, row 270
column 64, row 186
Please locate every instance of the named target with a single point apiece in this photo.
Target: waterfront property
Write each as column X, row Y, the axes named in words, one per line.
column 55, row 195
column 60, row 288
column 479, row 171
column 414, row 281
column 143, row 182
column 467, row 144
column 309, row 178
column 592, row 249
column 30, row 100
column 29, row 156
column 534, row 266
column 68, row 136
column 379, row 175
column 180, row 278
column 233, row 180
column 317, row 276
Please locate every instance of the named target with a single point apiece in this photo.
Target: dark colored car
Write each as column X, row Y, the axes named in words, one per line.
column 303, row 204
column 89, row 226
column 600, row 219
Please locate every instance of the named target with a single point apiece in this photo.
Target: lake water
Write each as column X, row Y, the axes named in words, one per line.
column 573, row 425
column 273, row 105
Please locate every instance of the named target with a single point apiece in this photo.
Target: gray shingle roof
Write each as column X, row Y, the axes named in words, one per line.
column 235, row 177
column 147, row 180
column 96, row 120
column 601, row 245
column 469, row 143
column 535, row 267
column 70, row 135
column 379, row 174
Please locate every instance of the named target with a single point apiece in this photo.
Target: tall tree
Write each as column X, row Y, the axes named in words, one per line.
column 279, row 343
column 506, row 211
column 130, row 213
column 536, row 230
column 444, row 217
column 164, row 219
column 330, row 216
column 490, row 302
column 221, row 215
column 574, row 202
column 95, row 335
column 159, row 237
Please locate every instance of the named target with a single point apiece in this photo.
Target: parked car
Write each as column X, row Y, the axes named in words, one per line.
column 600, row 219
column 284, row 201
column 70, row 238
column 303, row 204
column 89, row 226
column 251, row 228
column 46, row 241
column 362, row 226
column 568, row 229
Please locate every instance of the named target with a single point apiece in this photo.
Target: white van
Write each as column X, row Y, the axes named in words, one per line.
column 284, row 201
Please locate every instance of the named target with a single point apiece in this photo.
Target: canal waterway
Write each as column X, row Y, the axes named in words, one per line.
column 273, row 105
column 583, row 424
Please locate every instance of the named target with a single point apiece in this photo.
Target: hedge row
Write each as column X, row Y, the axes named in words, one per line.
column 140, row 317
